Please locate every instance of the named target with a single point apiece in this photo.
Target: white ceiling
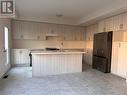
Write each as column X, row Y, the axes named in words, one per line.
column 74, row 11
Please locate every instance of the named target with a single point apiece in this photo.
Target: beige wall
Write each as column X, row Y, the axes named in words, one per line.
column 32, row 35
column 28, row 44
column 3, row 62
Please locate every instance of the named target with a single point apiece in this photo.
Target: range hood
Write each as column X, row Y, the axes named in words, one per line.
column 51, row 35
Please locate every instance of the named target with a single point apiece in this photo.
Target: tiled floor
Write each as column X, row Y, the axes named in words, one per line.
column 90, row 82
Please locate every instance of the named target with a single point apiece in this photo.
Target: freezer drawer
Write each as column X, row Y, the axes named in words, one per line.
column 100, row 64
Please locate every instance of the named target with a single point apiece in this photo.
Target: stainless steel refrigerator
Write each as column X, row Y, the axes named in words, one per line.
column 102, row 50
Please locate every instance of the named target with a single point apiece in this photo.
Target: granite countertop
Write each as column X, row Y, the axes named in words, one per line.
column 58, row 52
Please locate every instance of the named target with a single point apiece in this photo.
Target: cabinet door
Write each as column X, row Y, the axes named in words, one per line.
column 40, row 31
column 20, row 56
column 88, row 38
column 114, row 61
column 17, row 30
column 30, row 30
column 101, row 26
column 121, row 22
column 83, row 34
column 90, row 32
column 125, row 21
column 118, row 22
column 115, row 23
column 24, row 55
column 68, row 33
column 122, row 60
column 15, row 57
column 77, row 34
column 43, row 29
column 119, row 59
column 109, row 24
column 52, row 29
column 60, row 32
column 88, row 57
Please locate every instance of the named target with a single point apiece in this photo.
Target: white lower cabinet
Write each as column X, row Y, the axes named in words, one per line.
column 20, row 57
column 88, row 57
column 119, row 59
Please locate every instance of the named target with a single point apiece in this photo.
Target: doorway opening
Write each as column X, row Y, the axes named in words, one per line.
column 6, row 43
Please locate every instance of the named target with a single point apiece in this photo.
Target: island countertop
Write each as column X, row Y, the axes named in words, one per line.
column 57, row 52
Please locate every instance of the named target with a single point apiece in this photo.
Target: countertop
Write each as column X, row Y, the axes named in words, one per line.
column 57, row 52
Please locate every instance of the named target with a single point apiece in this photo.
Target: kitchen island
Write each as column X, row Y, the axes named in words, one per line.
column 53, row 63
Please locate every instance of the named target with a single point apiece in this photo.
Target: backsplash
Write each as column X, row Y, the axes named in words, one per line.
column 28, row 44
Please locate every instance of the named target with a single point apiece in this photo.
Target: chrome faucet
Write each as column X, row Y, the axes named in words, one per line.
column 61, row 47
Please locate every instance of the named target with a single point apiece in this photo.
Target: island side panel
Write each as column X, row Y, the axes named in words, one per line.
column 53, row 64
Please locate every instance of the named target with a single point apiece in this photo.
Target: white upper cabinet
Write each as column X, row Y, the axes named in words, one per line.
column 105, row 25
column 108, row 24
column 72, row 33
column 40, row 31
column 60, row 32
column 125, row 21
column 16, row 29
column 77, row 33
column 118, row 22
column 29, row 30
column 69, row 33
column 90, row 31
column 114, row 23
column 101, row 26
column 52, row 29
column 88, row 36
column 83, row 33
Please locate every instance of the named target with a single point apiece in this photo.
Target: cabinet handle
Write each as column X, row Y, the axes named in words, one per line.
column 121, row 26
column 38, row 37
column 104, row 29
